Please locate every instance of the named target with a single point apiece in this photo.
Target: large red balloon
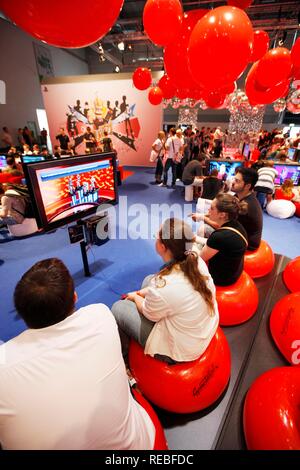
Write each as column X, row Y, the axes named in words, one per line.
column 167, row 87
column 260, row 262
column 214, row 99
column 258, row 95
column 261, row 43
column 295, row 53
column 142, row 78
column 67, row 23
column 243, row 4
column 271, row 410
column 162, row 19
column 155, row 95
column 220, row 47
column 185, row 387
column 291, row 275
column 274, row 67
column 237, row 303
column 285, row 327
column 175, row 54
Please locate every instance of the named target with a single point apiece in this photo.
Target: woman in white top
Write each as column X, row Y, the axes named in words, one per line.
column 174, row 316
column 157, row 154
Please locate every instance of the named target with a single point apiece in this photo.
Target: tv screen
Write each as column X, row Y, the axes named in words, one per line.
column 246, row 150
column 227, row 167
column 70, row 189
column 287, row 171
column 291, row 153
column 32, row 158
column 3, row 163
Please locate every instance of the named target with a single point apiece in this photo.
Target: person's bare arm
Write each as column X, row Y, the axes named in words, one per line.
column 206, row 253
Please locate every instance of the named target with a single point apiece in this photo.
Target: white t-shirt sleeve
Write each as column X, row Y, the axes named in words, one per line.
column 154, row 306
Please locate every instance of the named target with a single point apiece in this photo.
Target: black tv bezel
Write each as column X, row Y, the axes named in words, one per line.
column 224, row 160
column 294, row 164
column 35, row 193
column 33, row 156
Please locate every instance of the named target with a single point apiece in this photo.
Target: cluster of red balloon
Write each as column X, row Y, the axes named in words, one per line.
column 56, row 22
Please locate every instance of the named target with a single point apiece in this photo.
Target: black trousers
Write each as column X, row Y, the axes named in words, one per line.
column 170, row 164
column 159, row 170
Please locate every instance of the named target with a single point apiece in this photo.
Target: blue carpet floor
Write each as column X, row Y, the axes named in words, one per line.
column 119, row 265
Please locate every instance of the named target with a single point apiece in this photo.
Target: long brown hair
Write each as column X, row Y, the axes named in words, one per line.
column 178, row 237
column 287, row 187
column 231, row 205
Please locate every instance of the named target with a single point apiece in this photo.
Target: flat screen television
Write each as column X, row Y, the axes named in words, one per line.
column 3, row 163
column 32, row 158
column 246, row 150
column 69, row 189
column 291, row 171
column 227, row 167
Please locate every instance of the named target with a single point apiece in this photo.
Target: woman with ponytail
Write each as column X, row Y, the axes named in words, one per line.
column 226, row 246
column 174, row 316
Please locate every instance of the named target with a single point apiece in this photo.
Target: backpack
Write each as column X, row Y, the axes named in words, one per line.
column 23, row 193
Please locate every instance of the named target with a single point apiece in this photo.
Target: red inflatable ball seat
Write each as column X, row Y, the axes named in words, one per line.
column 237, row 303
column 271, row 411
column 185, row 387
column 297, row 213
column 291, row 275
column 260, row 262
column 285, row 327
column 160, row 442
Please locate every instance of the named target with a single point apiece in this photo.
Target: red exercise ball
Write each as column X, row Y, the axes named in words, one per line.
column 237, row 303
column 243, row 4
column 142, row 78
column 162, row 20
column 297, row 213
column 261, row 44
column 155, row 95
column 258, row 95
column 160, row 442
column 285, row 327
column 260, row 262
column 295, row 54
column 185, row 387
column 167, row 87
column 271, row 410
column 291, row 275
column 274, row 67
column 67, row 23
column 223, row 38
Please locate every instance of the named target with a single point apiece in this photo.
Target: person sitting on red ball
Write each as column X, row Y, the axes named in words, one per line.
column 175, row 315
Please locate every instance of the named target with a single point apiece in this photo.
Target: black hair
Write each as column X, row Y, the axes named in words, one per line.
column 249, row 175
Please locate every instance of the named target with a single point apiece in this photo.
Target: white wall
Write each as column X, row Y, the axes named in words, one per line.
column 18, row 70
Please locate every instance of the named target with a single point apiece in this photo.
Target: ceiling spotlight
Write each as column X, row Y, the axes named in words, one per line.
column 130, row 47
column 117, row 69
column 100, row 48
column 101, row 58
column 121, row 46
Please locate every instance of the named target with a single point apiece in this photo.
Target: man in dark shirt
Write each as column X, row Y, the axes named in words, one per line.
column 211, row 185
column 63, row 139
column 90, row 141
column 192, row 173
column 243, row 184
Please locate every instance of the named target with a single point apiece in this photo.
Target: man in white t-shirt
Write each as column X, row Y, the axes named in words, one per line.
column 63, row 382
column 174, row 152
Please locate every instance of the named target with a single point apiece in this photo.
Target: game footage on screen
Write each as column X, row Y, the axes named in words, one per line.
column 66, row 190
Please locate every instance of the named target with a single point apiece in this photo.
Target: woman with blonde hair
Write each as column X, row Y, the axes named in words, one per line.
column 286, row 190
column 175, row 315
column 157, row 154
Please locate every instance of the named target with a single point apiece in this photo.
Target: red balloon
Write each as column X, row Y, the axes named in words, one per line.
column 67, row 23
column 291, row 275
column 243, row 4
column 295, row 53
column 274, row 67
column 162, row 20
column 238, row 302
column 260, row 262
column 167, row 87
column 142, row 78
column 160, row 442
column 271, row 411
column 220, row 47
column 295, row 74
column 185, row 387
column 258, row 95
column 214, row 99
column 175, row 54
column 155, row 95
column 261, row 44
column 285, row 327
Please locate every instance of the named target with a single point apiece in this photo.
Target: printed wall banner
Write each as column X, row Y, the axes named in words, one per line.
column 100, row 104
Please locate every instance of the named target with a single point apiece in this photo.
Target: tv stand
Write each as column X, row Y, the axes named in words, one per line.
column 85, row 262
